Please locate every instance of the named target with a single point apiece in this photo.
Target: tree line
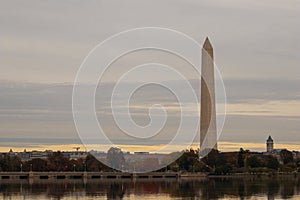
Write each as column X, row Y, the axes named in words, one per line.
column 235, row 162
column 54, row 162
column 215, row 162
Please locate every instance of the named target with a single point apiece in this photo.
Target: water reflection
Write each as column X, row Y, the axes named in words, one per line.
column 213, row 188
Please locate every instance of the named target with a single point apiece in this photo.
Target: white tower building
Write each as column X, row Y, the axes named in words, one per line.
column 270, row 144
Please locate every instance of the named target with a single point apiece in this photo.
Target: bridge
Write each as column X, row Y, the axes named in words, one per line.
column 32, row 175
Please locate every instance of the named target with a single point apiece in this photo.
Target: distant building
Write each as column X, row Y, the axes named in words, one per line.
column 11, row 153
column 29, row 155
column 75, row 155
column 141, row 153
column 270, row 145
column 40, row 154
column 296, row 154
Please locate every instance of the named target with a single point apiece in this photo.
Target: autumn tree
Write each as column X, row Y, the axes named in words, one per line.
column 115, row 158
column 95, row 165
column 211, row 158
column 254, row 162
column 272, row 162
column 36, row 164
column 10, row 163
column 189, row 161
column 286, row 156
column 58, row 162
column 241, row 158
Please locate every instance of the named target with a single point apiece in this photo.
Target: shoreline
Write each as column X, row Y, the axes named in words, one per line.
column 48, row 176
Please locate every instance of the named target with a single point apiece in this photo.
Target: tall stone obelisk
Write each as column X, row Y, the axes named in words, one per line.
column 208, row 131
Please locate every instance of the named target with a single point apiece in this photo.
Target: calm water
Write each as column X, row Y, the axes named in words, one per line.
column 214, row 188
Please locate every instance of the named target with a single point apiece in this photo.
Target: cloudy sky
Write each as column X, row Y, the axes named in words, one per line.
column 43, row 43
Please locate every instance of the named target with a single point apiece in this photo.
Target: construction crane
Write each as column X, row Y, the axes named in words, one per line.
column 77, row 148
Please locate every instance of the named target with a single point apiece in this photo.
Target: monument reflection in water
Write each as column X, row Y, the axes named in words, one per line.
column 215, row 188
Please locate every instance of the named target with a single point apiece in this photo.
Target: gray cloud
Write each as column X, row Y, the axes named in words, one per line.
column 256, row 39
column 251, row 90
column 31, row 110
column 44, row 42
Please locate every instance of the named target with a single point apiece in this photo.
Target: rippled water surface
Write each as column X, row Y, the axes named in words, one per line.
column 212, row 188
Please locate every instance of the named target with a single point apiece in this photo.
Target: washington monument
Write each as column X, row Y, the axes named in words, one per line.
column 208, row 132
